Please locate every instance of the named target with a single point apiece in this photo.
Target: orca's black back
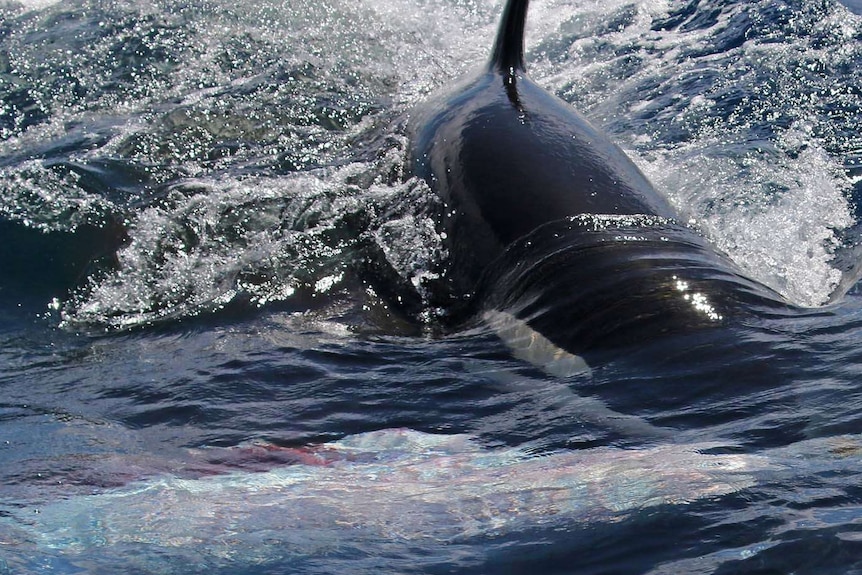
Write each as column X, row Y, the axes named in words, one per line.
column 506, row 157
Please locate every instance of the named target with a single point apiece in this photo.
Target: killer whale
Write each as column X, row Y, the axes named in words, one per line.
column 551, row 228
column 506, row 156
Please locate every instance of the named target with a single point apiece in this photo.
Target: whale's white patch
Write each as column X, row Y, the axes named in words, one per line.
column 529, row 345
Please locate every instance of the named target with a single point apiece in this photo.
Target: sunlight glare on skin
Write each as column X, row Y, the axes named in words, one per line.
column 698, row 300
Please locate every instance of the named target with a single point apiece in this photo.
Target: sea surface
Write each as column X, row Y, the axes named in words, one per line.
column 208, row 240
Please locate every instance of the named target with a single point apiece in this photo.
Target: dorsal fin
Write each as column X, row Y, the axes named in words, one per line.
column 508, row 54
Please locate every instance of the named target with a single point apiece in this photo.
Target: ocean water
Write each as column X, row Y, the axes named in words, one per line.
column 207, row 240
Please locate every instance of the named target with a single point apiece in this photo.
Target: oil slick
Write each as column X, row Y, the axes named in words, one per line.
column 380, row 495
column 396, row 486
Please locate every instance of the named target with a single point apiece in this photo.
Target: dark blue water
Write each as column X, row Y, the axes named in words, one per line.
column 207, row 238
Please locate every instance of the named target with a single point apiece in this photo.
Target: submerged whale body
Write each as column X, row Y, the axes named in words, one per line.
column 549, row 222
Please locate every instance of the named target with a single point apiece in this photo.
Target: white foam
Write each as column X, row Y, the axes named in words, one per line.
column 37, row 4
column 775, row 215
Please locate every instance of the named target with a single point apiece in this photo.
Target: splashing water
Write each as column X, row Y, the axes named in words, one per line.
column 162, row 118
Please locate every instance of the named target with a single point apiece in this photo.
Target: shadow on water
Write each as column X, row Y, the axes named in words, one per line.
column 50, row 264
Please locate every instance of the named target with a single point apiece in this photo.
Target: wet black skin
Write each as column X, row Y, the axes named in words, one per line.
column 513, row 166
column 548, row 222
column 506, row 156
